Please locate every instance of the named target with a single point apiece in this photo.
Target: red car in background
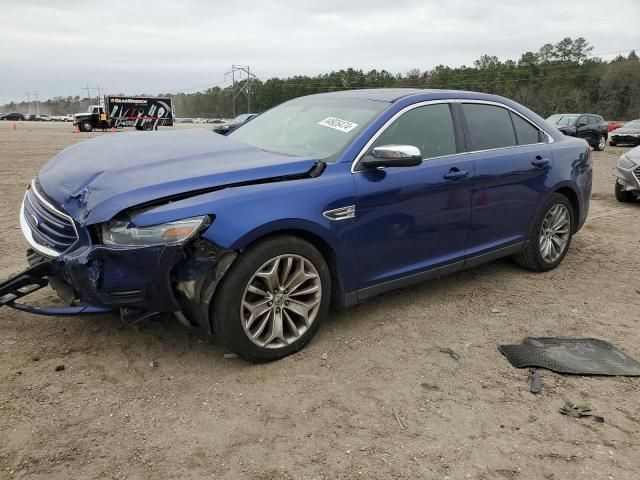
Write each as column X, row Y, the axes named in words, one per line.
column 613, row 125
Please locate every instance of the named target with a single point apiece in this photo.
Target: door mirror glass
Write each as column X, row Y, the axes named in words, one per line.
column 393, row 156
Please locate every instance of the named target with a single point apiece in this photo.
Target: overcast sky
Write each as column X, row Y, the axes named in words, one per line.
column 56, row 47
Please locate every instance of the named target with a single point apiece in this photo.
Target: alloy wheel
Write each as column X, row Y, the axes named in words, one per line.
column 554, row 233
column 281, row 301
column 602, row 143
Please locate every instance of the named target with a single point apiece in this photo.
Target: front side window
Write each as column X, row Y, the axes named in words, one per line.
column 430, row 128
column 312, row 127
column 489, row 126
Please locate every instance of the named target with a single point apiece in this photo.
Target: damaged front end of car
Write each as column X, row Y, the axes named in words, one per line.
column 117, row 266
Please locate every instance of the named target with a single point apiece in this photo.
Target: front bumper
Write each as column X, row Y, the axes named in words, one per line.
column 618, row 138
column 629, row 178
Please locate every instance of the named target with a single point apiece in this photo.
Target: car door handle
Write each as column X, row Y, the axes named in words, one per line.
column 455, row 174
column 540, row 162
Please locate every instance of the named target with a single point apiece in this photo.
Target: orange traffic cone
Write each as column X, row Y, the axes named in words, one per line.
column 77, row 130
column 113, row 129
column 13, row 127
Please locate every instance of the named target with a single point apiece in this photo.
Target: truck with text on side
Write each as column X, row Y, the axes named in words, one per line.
column 143, row 113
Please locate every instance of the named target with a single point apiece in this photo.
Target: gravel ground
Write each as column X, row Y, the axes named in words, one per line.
column 159, row 401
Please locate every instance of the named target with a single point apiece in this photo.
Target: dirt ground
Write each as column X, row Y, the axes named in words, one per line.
column 159, row 401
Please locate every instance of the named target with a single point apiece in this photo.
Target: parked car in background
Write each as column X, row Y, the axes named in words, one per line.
column 627, row 173
column 324, row 200
column 613, row 125
column 43, row 118
column 628, row 134
column 235, row 123
column 14, row 117
column 30, row 117
column 589, row 126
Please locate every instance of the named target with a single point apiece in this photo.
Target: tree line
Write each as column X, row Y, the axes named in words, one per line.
column 561, row 77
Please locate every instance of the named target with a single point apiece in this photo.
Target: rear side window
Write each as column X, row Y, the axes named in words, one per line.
column 526, row 133
column 430, row 128
column 489, row 126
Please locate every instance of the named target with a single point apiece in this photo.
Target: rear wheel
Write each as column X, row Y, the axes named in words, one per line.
column 147, row 126
column 273, row 299
column 550, row 237
column 622, row 195
column 602, row 142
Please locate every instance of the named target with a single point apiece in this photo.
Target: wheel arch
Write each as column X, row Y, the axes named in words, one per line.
column 338, row 292
column 571, row 194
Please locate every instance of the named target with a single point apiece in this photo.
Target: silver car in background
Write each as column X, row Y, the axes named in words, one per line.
column 627, row 173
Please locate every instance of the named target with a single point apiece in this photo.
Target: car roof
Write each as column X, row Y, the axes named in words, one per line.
column 392, row 95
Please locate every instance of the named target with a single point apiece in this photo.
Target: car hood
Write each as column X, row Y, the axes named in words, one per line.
column 96, row 179
column 625, row 130
column 634, row 154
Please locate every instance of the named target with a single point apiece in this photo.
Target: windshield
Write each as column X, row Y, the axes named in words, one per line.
column 567, row 120
column 316, row 127
column 241, row 118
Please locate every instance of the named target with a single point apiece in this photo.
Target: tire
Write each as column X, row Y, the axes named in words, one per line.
column 600, row 144
column 147, row 126
column 86, row 126
column 247, row 283
column 623, row 196
column 612, row 143
column 532, row 257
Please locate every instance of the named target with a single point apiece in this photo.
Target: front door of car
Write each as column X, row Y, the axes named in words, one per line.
column 584, row 128
column 512, row 161
column 413, row 219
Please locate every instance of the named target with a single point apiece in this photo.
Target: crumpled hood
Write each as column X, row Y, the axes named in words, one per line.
column 96, row 179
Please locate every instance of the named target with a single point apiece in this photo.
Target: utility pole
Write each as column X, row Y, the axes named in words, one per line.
column 99, row 102
column 242, row 86
column 37, row 103
column 29, row 102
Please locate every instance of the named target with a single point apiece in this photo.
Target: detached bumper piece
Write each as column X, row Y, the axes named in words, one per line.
column 32, row 280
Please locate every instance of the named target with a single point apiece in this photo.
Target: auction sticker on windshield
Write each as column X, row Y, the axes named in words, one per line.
column 338, row 124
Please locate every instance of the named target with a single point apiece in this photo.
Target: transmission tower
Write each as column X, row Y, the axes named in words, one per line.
column 241, row 77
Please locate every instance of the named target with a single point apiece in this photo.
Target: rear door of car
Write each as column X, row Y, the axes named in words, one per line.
column 414, row 219
column 512, row 163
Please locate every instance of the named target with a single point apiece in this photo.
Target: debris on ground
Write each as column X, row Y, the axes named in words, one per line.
column 455, row 355
column 230, row 355
column 579, row 411
column 402, row 425
column 430, row 386
column 324, row 356
column 153, row 364
column 536, row 380
column 577, row 356
column 59, row 368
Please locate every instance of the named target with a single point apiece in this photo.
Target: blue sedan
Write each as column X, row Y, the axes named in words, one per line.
column 323, row 201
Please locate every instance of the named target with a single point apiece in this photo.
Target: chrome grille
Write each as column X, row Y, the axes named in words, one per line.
column 636, row 172
column 47, row 229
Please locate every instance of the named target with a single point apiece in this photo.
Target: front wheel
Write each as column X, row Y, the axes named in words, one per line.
column 622, row 195
column 550, row 237
column 86, row 126
column 602, row 142
column 273, row 299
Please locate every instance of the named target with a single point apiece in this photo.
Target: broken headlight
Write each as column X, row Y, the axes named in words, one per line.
column 121, row 232
column 625, row 162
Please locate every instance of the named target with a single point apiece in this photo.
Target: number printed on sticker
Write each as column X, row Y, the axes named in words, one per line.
column 338, row 124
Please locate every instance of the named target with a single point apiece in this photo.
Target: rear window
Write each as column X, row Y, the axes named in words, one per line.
column 526, row 133
column 489, row 126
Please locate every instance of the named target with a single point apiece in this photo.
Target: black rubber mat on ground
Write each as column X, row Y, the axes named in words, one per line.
column 579, row 356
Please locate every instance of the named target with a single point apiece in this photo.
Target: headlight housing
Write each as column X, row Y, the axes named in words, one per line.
column 625, row 162
column 119, row 232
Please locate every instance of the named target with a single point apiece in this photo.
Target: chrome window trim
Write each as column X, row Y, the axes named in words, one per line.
column 386, row 125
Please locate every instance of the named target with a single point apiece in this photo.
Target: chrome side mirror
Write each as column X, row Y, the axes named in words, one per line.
column 393, row 156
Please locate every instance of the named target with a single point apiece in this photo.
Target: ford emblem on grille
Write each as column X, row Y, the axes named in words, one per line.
column 34, row 220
